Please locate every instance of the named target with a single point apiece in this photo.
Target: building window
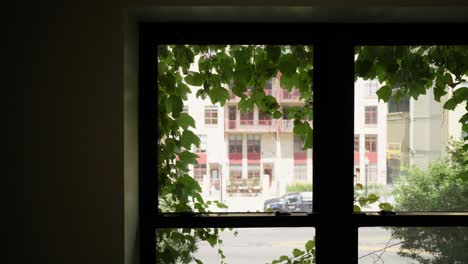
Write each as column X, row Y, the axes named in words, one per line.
column 253, row 143
column 372, row 172
column 253, row 172
column 371, row 143
column 264, row 118
column 247, row 118
column 371, row 115
column 232, row 118
column 211, row 115
column 235, row 144
column 199, row 171
column 268, row 88
column 185, row 109
column 202, row 147
column 235, row 172
column 371, row 88
column 300, row 172
column 356, row 143
column 300, row 155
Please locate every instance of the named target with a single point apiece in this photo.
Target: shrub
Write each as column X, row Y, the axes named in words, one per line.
column 443, row 186
column 299, row 187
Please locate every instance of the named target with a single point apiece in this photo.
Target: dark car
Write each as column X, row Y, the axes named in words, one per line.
column 290, row 203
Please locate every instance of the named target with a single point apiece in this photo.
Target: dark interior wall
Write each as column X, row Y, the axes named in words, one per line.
column 64, row 98
column 65, row 73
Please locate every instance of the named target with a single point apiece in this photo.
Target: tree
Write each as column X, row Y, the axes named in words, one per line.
column 404, row 71
column 443, row 186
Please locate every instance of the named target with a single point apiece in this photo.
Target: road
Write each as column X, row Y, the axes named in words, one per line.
column 262, row 245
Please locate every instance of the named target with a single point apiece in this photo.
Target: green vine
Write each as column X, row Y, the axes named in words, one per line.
column 403, row 71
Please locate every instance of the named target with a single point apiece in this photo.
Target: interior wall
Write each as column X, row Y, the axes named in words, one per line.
column 65, row 100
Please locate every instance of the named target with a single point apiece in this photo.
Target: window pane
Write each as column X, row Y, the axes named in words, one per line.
column 250, row 245
column 248, row 157
column 397, row 245
column 408, row 150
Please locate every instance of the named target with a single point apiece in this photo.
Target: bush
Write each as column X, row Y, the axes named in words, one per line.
column 443, row 186
column 299, row 187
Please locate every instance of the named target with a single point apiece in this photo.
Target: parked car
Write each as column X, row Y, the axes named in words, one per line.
column 290, row 203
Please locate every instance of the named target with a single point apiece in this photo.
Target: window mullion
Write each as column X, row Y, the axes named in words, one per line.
column 333, row 146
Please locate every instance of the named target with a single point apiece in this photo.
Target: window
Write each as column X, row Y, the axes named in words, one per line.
column 371, row 143
column 185, row 109
column 371, row 88
column 202, row 147
column 401, row 106
column 370, row 115
column 211, row 115
column 331, row 139
column 356, row 143
column 300, row 172
column 235, row 143
column 253, row 173
column 253, row 143
column 264, row 118
column 199, row 171
column 235, row 172
column 300, row 155
column 247, row 118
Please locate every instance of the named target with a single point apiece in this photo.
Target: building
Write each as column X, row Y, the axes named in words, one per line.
column 247, row 153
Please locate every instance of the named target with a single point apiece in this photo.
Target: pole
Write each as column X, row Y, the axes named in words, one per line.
column 366, row 172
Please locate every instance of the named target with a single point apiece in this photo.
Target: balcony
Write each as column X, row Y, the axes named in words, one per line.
column 287, row 125
column 269, row 90
column 253, row 158
column 292, row 96
column 250, row 125
column 235, row 158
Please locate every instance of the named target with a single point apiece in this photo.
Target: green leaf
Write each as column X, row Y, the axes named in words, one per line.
column 459, row 95
column 439, row 91
column 198, row 261
column 384, row 93
column 167, row 81
column 359, row 186
column 283, row 258
column 183, row 55
column 188, row 138
column 372, row 198
column 385, row 206
column 187, row 157
column 245, row 104
column 185, row 121
column 310, row 245
column 451, row 104
column 362, row 201
column 212, row 240
column 287, row 64
column 277, row 114
column 176, row 105
column 356, row 209
column 194, row 78
column 297, row 252
column 219, row 94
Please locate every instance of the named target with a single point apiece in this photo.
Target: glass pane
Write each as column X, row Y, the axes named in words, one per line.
column 241, row 245
column 429, row 245
column 243, row 114
column 408, row 137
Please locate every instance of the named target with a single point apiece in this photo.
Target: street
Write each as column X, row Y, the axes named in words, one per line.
column 263, row 245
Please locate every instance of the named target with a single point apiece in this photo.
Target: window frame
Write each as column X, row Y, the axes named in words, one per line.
column 370, row 115
column 210, row 110
column 332, row 42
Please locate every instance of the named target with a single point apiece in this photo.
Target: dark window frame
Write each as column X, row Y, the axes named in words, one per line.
column 332, row 42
